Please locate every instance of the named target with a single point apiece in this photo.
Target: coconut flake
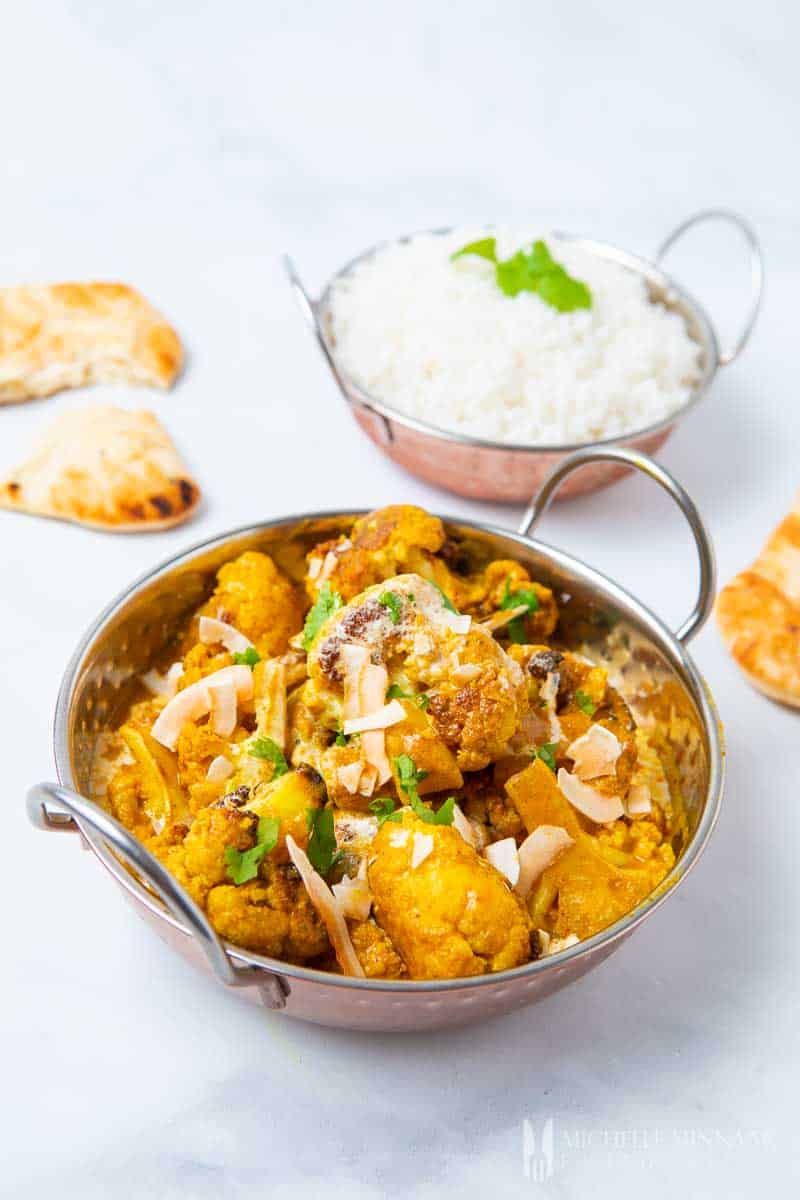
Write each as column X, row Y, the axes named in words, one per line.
column 389, row 714
column 398, row 837
column 593, row 804
column 638, row 801
column 194, row 702
column 499, row 619
column 222, row 715
column 213, row 631
column 354, row 897
column 595, row 753
column 218, row 769
column 465, row 672
column 503, row 855
column 328, row 908
column 558, row 944
column 549, row 693
column 349, row 777
column 369, row 777
column 374, row 681
column 457, row 622
column 544, row 942
column 314, row 566
column 421, row 848
column 328, row 566
column 538, row 852
column 355, row 659
column 464, row 826
column 163, row 685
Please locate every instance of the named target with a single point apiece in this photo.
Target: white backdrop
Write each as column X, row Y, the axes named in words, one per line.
column 180, row 148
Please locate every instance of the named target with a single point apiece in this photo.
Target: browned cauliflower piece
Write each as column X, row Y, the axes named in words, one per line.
column 584, row 698
column 375, row 951
column 478, row 718
column 490, row 591
column 386, row 542
column 259, row 600
column 475, row 693
column 451, row 915
column 271, row 916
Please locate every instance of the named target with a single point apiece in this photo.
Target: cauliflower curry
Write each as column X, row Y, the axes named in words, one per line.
column 388, row 768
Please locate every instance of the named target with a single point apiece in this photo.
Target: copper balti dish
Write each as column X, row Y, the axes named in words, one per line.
column 484, row 470
column 652, row 668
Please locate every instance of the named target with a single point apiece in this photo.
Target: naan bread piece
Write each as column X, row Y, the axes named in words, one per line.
column 758, row 614
column 70, row 334
column 111, row 468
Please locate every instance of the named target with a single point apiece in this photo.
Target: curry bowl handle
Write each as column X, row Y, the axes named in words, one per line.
column 756, row 268
column 52, row 807
column 641, row 462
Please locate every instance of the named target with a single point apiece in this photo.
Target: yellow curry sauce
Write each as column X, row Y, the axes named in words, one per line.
column 392, row 770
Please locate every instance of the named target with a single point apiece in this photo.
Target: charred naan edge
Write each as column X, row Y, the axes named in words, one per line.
column 109, row 468
column 758, row 615
column 71, row 334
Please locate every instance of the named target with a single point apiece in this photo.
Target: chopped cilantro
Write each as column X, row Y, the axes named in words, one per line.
column 264, row 747
column 410, row 779
column 391, row 600
column 443, row 816
column 243, row 864
column 384, row 809
column 585, row 703
column 247, row 658
column 326, row 603
column 395, row 692
column 534, row 270
column 485, row 248
column 516, row 599
column 341, row 738
column 322, row 850
column 547, row 753
column 448, row 603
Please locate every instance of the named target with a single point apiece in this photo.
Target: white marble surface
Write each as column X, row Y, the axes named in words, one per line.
column 182, row 147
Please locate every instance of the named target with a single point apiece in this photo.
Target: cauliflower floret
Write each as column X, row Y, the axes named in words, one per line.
column 375, row 951
column 400, row 537
column 271, row 916
column 453, row 914
column 197, row 746
column 199, row 862
column 258, row 599
column 125, row 799
column 476, row 694
column 489, row 593
column 202, row 660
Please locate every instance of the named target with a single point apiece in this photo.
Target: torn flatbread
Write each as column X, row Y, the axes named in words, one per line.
column 758, row 614
column 70, row 334
column 111, row 468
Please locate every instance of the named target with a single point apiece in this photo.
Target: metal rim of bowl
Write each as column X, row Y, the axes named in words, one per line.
column 617, row 595
column 318, row 311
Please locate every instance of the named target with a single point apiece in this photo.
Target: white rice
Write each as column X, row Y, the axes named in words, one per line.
column 438, row 340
